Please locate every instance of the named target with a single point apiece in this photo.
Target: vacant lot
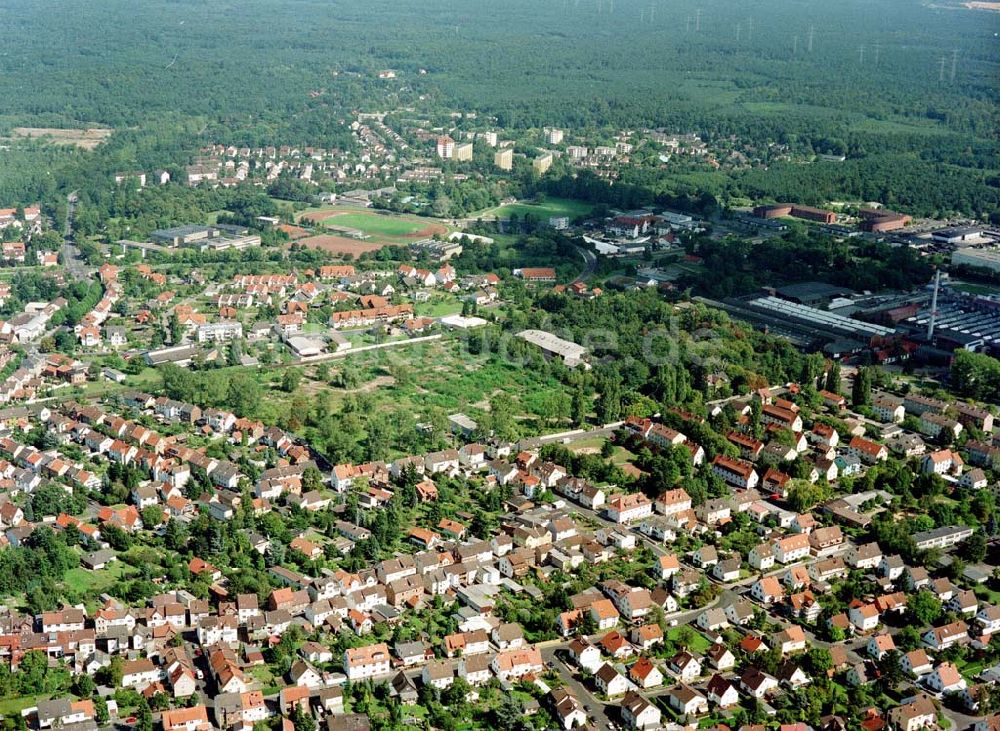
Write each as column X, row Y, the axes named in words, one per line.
column 543, row 210
column 294, row 232
column 440, row 375
column 91, row 583
column 340, row 245
column 87, row 139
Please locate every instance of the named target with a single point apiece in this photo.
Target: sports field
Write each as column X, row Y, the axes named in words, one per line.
column 549, row 208
column 378, row 224
column 334, row 227
column 381, row 227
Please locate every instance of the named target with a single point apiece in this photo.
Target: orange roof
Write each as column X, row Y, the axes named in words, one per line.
column 795, row 633
column 642, row 668
column 423, row 535
column 604, row 609
column 180, row 717
column 451, row 526
column 673, row 497
column 613, row 641
column 366, row 655
column 770, row 586
column 866, row 446
column 513, row 658
column 670, row 561
column 949, row 674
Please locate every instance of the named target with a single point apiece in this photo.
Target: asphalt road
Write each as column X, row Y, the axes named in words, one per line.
column 589, row 263
column 575, row 435
column 72, row 258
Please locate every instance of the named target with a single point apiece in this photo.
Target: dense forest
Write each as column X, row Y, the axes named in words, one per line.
column 532, row 63
column 907, row 91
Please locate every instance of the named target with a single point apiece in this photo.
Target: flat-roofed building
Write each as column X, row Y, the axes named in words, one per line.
column 571, row 353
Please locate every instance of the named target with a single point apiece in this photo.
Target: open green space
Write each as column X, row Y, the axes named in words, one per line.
column 439, row 376
column 543, row 210
column 975, row 288
column 84, row 581
column 14, row 706
column 697, row 643
column 439, row 308
column 619, row 455
column 263, row 675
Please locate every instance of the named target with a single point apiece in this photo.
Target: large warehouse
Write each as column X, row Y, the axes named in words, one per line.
column 571, row 353
column 823, row 320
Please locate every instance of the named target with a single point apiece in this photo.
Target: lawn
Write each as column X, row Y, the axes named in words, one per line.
column 548, row 208
column 619, row 456
column 699, row 643
column 715, row 92
column 622, row 456
column 13, row 706
column 262, row 674
column 971, row 668
column 148, row 379
column 987, row 594
column 439, row 308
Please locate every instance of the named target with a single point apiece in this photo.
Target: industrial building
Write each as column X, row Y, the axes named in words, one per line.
column 181, row 355
column 808, row 213
column 822, row 320
column 571, row 353
column 222, row 243
column 962, row 321
column 439, row 251
column 811, row 293
column 958, row 234
column 879, row 220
